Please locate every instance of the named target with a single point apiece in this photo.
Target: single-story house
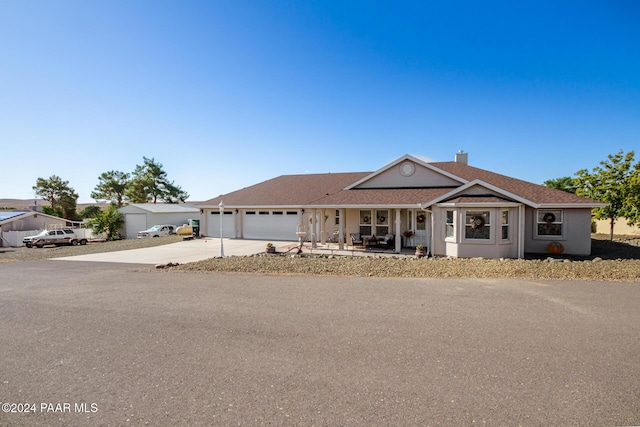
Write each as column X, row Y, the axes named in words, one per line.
column 15, row 225
column 450, row 207
column 141, row 216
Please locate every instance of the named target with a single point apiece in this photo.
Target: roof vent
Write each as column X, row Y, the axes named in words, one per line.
column 462, row 157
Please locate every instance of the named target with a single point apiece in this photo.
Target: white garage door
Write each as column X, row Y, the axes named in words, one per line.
column 276, row 225
column 228, row 226
column 133, row 224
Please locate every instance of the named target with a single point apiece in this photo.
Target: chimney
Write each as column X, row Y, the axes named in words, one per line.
column 462, row 157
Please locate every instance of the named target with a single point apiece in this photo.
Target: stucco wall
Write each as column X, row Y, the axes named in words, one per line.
column 576, row 236
column 457, row 246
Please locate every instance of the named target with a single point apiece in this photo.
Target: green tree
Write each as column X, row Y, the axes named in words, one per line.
column 566, row 183
column 62, row 198
column 112, row 186
column 110, row 222
column 90, row 211
column 612, row 183
column 149, row 183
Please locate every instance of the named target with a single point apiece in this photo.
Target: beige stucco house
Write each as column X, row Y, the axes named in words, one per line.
column 450, row 207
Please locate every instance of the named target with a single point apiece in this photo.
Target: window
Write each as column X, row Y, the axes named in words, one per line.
column 263, row 213
column 249, row 213
column 382, row 223
column 278, row 212
column 550, row 222
column 365, row 222
column 477, row 225
column 448, row 225
column 337, row 221
column 505, row 225
column 292, row 213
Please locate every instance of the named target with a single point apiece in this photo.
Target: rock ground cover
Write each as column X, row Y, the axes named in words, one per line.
column 617, row 260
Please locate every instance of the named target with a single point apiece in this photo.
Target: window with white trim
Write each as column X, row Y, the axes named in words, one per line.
column 365, row 222
column 382, row 223
column 477, row 225
column 549, row 222
column 448, row 225
column 505, row 225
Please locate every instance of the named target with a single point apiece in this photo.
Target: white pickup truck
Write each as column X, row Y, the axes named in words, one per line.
column 63, row 236
column 157, row 231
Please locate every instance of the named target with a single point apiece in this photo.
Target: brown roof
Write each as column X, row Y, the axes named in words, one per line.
column 288, row 190
column 536, row 193
column 328, row 190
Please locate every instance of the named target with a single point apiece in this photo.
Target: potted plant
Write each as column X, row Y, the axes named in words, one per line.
column 270, row 248
column 421, row 252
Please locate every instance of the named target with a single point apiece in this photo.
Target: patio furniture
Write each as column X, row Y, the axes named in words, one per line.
column 387, row 241
column 356, row 239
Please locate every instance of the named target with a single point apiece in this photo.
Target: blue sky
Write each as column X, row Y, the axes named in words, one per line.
column 226, row 94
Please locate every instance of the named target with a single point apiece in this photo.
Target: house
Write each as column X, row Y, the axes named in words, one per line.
column 450, row 207
column 16, row 225
column 141, row 216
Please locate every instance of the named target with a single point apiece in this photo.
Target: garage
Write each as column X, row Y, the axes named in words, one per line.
column 228, row 225
column 267, row 224
column 134, row 223
column 141, row 216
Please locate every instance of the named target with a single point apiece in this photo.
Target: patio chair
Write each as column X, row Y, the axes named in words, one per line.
column 356, row 239
column 386, row 241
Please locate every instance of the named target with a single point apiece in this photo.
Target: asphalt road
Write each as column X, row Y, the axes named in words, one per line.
column 115, row 344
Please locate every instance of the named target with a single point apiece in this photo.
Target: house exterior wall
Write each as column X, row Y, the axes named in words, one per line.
column 576, row 235
column 421, row 177
column 33, row 222
column 459, row 246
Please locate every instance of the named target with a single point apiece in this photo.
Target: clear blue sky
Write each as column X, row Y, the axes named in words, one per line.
column 226, row 94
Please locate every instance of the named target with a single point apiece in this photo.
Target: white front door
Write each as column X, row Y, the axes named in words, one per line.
column 423, row 229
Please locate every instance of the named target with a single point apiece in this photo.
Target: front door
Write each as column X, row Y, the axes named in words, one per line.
column 423, row 228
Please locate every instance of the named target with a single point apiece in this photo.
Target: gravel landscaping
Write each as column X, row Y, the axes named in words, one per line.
column 618, row 260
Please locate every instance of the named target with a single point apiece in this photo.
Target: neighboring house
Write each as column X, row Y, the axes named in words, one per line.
column 141, row 216
column 452, row 208
column 15, row 225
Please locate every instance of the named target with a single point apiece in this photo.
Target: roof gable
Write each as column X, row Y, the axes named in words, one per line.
column 407, row 172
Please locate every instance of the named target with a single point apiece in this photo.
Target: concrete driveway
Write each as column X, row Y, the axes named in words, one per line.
column 182, row 252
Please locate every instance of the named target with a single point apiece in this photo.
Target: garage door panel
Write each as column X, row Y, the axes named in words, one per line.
column 228, row 226
column 133, row 224
column 276, row 225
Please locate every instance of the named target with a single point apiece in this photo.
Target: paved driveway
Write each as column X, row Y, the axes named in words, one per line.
column 181, row 252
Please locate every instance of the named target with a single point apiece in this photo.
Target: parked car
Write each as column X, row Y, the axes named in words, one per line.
column 157, row 231
column 64, row 236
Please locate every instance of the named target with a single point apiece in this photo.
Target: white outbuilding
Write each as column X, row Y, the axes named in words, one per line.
column 141, row 216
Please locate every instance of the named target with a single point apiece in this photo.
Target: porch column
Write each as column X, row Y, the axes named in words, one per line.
column 323, row 227
column 340, row 229
column 521, row 226
column 314, row 243
column 398, row 239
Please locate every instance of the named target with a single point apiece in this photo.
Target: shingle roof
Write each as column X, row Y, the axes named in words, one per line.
column 329, row 190
column 536, row 193
column 288, row 190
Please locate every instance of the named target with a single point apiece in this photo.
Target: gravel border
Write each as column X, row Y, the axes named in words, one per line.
column 613, row 261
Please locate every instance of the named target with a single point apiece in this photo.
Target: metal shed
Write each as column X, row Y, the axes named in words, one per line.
column 141, row 216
